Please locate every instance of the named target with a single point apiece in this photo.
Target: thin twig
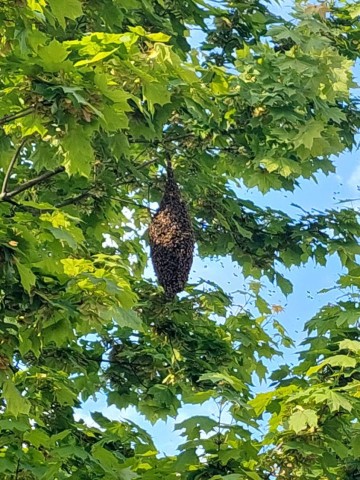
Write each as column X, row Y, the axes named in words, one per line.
column 71, row 200
column 12, row 202
column 10, row 168
column 17, row 469
column 140, row 155
column 31, row 183
column 149, row 162
column 14, row 116
column 129, row 202
column 165, row 140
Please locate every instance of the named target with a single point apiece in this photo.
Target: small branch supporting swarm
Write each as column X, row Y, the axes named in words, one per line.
column 7, row 196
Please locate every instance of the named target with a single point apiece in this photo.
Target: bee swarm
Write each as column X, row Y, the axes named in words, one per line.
column 171, row 239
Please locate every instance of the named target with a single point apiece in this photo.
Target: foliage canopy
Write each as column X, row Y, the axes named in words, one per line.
column 93, row 98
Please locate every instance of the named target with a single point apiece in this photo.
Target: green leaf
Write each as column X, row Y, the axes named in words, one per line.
column 185, row 460
column 127, row 474
column 261, row 401
column 198, row 397
column 339, row 448
column 308, row 134
column 158, row 37
column 237, row 476
column 127, row 318
column 96, row 58
column 37, row 437
column 66, row 9
column 28, row 279
column 32, row 124
column 78, row 152
column 156, row 93
column 354, row 10
column 203, row 423
column 53, row 56
column 59, row 332
column 106, row 459
column 16, row 404
column 355, row 444
column 113, row 118
column 335, row 361
column 302, row 419
column 336, row 401
column 262, row 305
column 285, row 285
column 352, row 345
column 223, row 377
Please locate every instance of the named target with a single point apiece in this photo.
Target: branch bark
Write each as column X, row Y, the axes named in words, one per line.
column 164, row 140
column 26, row 185
column 10, row 167
column 14, row 116
column 71, row 200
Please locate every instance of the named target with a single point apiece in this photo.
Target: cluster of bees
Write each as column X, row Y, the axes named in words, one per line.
column 171, row 239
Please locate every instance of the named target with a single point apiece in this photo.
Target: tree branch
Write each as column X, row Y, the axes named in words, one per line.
column 17, row 469
column 71, row 200
column 149, row 162
column 10, row 167
column 164, row 140
column 14, row 116
column 30, row 183
column 88, row 193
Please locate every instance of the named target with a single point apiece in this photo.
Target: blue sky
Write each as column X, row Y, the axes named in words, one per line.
column 308, row 281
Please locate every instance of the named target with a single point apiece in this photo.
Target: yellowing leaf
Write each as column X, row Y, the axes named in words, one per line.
column 36, row 5
column 277, row 308
column 57, row 219
column 352, row 345
column 176, row 355
column 335, row 361
column 74, row 267
column 99, row 56
column 158, row 37
column 32, row 124
column 354, row 10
